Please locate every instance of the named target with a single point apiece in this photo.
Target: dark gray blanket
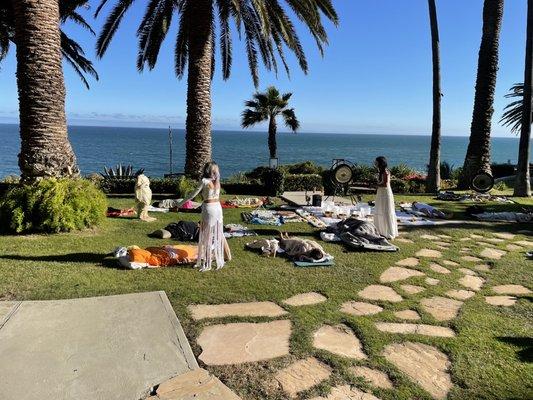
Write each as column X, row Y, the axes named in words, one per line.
column 361, row 235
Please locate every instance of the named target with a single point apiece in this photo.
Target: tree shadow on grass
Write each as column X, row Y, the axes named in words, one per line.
column 94, row 258
column 525, row 343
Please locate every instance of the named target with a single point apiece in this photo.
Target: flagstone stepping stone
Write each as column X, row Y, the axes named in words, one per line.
column 441, row 247
column 431, row 281
column 441, row 308
column 467, row 271
column 375, row 377
column 302, row 375
column 511, row 289
column 255, row 309
column 485, row 244
column 305, row 299
column 380, row 292
column 408, row 262
column 346, row 392
column 483, row 267
column 513, row 247
column 403, row 240
column 460, row 294
column 471, row 259
column 444, row 244
column 197, row 384
column 359, row 308
column 445, row 236
column 473, row 236
column 504, row 301
column 429, row 237
column 495, row 240
column 439, row 269
column 423, row 364
column 394, row 274
column 525, row 243
column 472, row 282
column 504, row 235
column 493, row 254
column 419, row 329
column 450, row 263
column 465, row 239
column 239, row 343
column 428, row 253
column 412, row 289
column 339, row 340
column 411, row 315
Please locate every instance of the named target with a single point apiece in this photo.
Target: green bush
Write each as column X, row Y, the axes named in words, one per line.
column 52, row 205
column 304, row 168
column 178, row 186
column 401, row 171
column 273, row 180
column 253, row 189
column 301, row 182
column 364, row 173
column 399, row 186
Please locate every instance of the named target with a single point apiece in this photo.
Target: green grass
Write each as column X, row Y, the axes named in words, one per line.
column 488, row 360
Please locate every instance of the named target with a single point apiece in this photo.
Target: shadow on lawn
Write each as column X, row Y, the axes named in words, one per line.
column 94, row 258
column 525, row 343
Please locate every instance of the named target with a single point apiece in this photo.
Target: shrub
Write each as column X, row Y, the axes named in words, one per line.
column 364, row 173
column 52, row 205
column 399, row 185
column 178, row 186
column 302, row 182
column 255, row 189
column 273, row 180
column 446, row 170
column 304, row 168
column 401, row 171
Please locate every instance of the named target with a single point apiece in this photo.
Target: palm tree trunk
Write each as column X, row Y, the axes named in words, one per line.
column 522, row 185
column 45, row 148
column 198, row 123
column 272, row 129
column 433, row 179
column 478, row 153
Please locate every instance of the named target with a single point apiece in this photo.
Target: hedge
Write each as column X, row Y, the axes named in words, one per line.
column 302, row 182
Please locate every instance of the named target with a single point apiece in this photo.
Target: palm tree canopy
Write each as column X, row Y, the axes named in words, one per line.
column 264, row 24
column 265, row 105
column 72, row 52
column 512, row 116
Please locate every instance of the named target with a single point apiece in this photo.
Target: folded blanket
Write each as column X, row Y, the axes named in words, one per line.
column 314, row 264
column 134, row 257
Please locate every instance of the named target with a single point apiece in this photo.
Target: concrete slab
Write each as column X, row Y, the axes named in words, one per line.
column 99, row 348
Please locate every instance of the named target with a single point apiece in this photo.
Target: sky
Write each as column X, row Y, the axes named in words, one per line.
column 375, row 76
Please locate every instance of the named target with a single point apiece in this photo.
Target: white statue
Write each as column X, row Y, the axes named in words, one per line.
column 143, row 197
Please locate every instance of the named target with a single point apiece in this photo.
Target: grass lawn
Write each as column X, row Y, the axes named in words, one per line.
column 491, row 356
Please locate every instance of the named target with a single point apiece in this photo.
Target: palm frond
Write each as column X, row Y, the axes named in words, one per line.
column 75, row 56
column 512, row 116
column 251, row 117
column 224, row 11
column 181, row 50
column 289, row 117
column 111, row 25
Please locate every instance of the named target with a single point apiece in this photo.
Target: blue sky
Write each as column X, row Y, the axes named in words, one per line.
column 375, row 76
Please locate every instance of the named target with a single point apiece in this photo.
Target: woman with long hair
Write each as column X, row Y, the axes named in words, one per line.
column 211, row 242
column 384, row 211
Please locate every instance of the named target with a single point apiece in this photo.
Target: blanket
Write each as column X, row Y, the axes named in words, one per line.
column 361, row 235
column 134, row 257
column 120, row 213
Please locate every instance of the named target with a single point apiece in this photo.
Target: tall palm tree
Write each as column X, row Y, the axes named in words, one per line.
column 512, row 116
column 45, row 148
column 72, row 52
column 433, row 179
column 478, row 153
column 265, row 26
column 267, row 106
column 522, row 185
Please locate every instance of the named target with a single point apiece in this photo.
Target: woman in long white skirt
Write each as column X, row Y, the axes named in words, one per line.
column 384, row 211
column 211, row 242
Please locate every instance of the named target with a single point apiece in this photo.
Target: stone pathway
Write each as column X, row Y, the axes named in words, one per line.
column 359, row 308
column 408, row 262
column 466, row 271
column 394, row 274
column 419, row 329
column 460, row 294
column 373, row 376
column 380, row 292
column 450, row 263
column 432, row 281
column 410, row 315
column 412, row 289
column 471, row 259
column 427, row 253
column 345, row 392
column 492, row 254
column 255, row 309
column 511, row 289
column 439, row 269
column 505, row 301
column 441, row 308
column 472, row 282
column 513, row 247
column 526, row 243
column 302, row 375
column 339, row 340
column 305, row 299
column 503, row 235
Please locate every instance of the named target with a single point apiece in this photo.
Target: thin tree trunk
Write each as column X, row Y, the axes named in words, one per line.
column 272, row 129
column 45, row 148
column 198, row 123
column 478, row 153
column 433, row 179
column 522, row 185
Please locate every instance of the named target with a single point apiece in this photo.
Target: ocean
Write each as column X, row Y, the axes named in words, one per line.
column 237, row 151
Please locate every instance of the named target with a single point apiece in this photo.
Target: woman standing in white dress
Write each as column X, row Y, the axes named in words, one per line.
column 384, row 211
column 211, row 242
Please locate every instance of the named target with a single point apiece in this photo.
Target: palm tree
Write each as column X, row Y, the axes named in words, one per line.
column 72, row 52
column 266, row 29
column 45, row 148
column 478, row 153
column 267, row 106
column 433, row 178
column 512, row 116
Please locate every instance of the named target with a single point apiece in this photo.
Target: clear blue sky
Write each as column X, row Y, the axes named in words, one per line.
column 375, row 76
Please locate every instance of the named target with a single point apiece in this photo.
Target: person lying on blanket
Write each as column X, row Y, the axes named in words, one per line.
column 301, row 249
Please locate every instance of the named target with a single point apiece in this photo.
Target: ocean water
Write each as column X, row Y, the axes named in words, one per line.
column 237, row 151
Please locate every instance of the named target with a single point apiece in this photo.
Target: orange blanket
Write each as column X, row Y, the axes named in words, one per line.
column 165, row 256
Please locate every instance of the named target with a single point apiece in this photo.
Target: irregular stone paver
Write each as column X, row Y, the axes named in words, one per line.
column 408, row 262
column 244, row 342
column 439, row 269
column 423, row 364
column 450, row 263
column 428, row 253
column 467, row 271
column 431, row 281
column 375, row 377
column 504, row 301
column 525, row 243
column 504, row 235
column 302, row 375
column 255, row 309
column 471, row 259
column 339, row 340
column 429, row 237
column 460, row 294
column 346, row 392
column 380, row 292
column 472, row 282
column 493, row 254
column 441, row 247
column 359, row 308
column 441, row 308
column 444, row 244
column 419, row 329
column 444, row 236
column 412, row 289
column 403, row 240
column 305, row 299
column 513, row 247
column 411, row 315
column 495, row 240
column 482, row 267
column 197, row 384
column 473, row 236
column 511, row 289
column 484, row 244
column 394, row 274
column 465, row 239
